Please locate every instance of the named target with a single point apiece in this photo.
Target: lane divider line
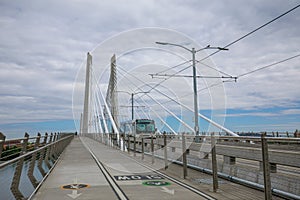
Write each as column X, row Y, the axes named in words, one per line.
column 116, row 188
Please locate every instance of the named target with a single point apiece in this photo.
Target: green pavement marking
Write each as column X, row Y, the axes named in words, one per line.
column 156, row 183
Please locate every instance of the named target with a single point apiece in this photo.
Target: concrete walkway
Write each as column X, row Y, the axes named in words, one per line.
column 133, row 177
column 78, row 176
column 75, row 167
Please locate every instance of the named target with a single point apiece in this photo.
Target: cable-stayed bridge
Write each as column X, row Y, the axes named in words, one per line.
column 152, row 129
column 124, row 95
column 167, row 162
column 138, row 138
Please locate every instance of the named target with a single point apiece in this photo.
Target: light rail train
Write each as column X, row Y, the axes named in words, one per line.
column 139, row 127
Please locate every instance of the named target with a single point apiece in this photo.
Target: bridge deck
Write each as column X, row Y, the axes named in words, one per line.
column 107, row 173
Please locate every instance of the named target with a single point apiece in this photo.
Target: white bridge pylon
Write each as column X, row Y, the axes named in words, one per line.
column 101, row 112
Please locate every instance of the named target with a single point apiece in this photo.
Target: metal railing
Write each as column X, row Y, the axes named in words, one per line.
column 233, row 158
column 41, row 152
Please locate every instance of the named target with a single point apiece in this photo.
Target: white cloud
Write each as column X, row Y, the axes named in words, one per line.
column 291, row 112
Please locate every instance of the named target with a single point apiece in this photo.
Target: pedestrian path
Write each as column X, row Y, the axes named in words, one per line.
column 76, row 167
column 91, row 170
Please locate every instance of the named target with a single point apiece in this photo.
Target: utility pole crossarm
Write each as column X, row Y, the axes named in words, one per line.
column 190, row 76
column 132, row 100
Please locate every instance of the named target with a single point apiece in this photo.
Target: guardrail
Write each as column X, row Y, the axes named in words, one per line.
column 224, row 156
column 41, row 155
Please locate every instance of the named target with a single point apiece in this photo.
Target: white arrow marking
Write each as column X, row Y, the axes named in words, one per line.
column 74, row 194
column 168, row 191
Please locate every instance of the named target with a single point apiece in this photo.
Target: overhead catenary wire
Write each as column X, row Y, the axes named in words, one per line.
column 239, row 76
column 190, row 76
column 175, row 66
column 158, row 74
column 221, row 82
column 242, row 75
column 173, row 114
column 179, row 103
column 253, row 31
column 166, row 109
column 267, row 66
column 235, row 41
column 165, row 123
column 221, row 72
column 158, row 84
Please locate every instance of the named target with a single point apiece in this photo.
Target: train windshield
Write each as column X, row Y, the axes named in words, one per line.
column 145, row 126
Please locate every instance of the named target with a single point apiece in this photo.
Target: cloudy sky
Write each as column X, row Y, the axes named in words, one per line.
column 44, row 43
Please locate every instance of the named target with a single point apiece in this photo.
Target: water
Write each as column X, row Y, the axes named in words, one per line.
column 25, row 187
column 16, row 135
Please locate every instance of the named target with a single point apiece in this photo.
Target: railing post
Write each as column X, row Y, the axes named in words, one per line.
column 266, row 167
column 116, row 140
column 123, row 141
column 214, row 163
column 134, row 145
column 32, row 162
column 42, row 156
column 52, row 146
column 63, row 144
column 25, row 143
column 45, row 139
column 184, row 161
column 111, row 140
column 18, row 171
column 2, row 141
column 165, row 151
column 128, row 143
column 119, row 141
column 53, row 154
column 49, row 152
column 143, row 151
column 152, row 149
column 54, row 137
column 59, row 147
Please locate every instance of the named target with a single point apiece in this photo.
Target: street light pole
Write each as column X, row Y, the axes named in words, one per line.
column 193, row 51
column 195, row 93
